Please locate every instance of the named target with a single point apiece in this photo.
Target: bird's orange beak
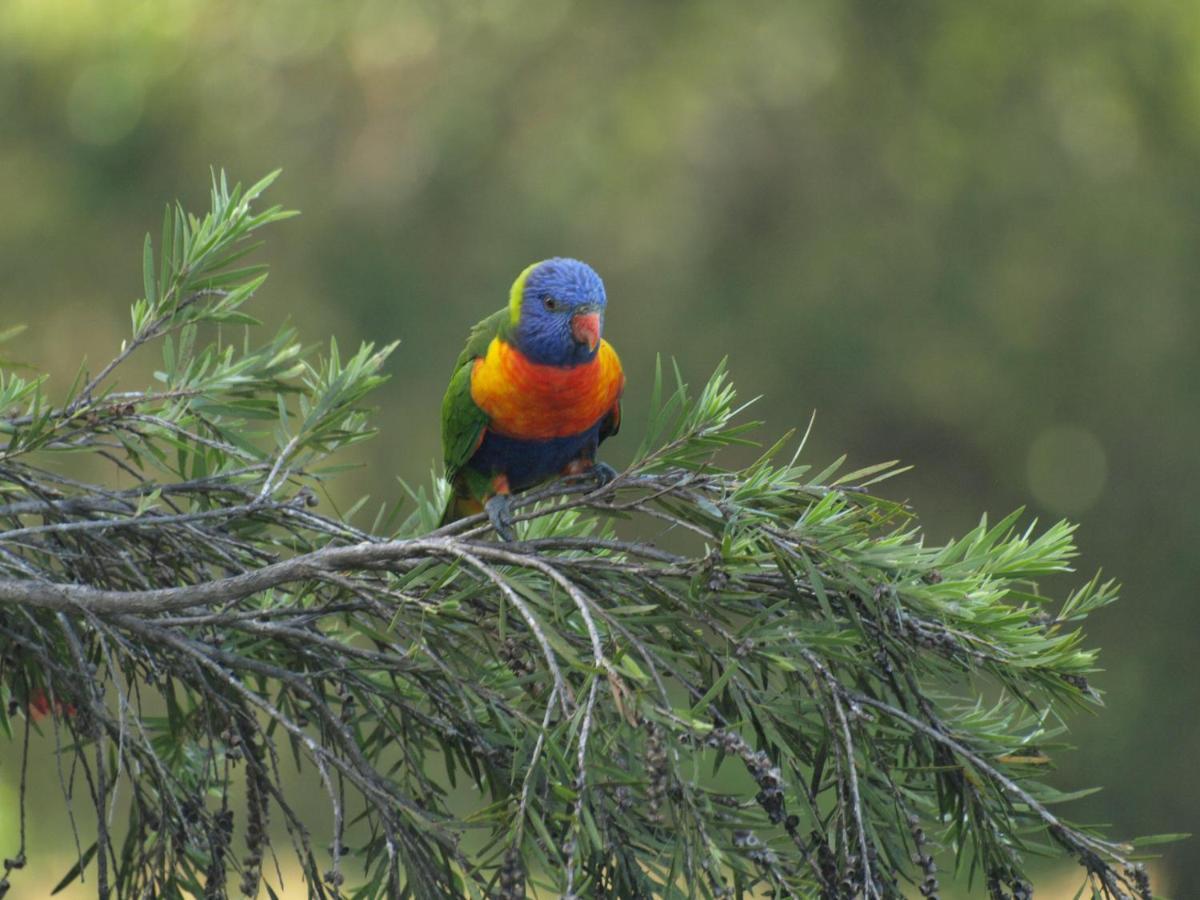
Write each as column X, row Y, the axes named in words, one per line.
column 585, row 327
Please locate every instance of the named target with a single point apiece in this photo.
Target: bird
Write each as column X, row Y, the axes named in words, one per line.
column 533, row 394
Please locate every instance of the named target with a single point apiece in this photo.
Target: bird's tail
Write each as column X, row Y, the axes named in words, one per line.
column 459, row 508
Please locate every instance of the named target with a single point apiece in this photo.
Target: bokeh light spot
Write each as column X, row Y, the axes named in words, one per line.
column 1067, row 469
column 1096, row 125
column 282, row 32
column 104, row 104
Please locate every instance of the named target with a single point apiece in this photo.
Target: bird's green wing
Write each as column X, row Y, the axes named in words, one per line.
column 481, row 335
column 463, row 423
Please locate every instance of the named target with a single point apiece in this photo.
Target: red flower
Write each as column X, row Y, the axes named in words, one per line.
column 39, row 705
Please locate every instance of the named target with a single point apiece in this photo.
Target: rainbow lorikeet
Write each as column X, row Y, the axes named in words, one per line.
column 533, row 394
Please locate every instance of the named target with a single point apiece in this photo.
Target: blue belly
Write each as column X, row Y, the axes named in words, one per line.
column 528, row 462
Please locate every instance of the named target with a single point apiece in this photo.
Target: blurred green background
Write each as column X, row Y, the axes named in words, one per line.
column 965, row 233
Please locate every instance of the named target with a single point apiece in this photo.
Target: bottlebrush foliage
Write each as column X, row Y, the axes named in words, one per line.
column 698, row 680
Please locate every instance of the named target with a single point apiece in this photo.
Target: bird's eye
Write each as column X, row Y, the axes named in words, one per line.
column 550, row 303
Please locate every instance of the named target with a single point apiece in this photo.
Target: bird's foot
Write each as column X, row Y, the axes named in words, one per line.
column 499, row 513
column 583, row 470
column 603, row 473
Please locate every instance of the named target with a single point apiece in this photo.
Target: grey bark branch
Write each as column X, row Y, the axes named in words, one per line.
column 363, row 555
column 68, row 597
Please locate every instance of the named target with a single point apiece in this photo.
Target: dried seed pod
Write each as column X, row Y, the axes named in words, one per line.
column 512, row 876
column 656, row 772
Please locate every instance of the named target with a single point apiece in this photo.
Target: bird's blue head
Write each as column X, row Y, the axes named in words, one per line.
column 556, row 312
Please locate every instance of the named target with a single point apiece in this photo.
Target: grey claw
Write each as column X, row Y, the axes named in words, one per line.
column 603, row 473
column 499, row 512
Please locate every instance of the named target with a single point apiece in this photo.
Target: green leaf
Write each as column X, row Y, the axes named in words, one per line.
column 1155, row 839
column 148, row 272
column 12, row 331
column 76, row 870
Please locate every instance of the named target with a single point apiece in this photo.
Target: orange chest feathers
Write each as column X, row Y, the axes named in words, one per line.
column 524, row 399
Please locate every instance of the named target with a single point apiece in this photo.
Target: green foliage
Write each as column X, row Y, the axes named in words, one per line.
column 959, row 230
column 795, row 693
column 221, row 407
